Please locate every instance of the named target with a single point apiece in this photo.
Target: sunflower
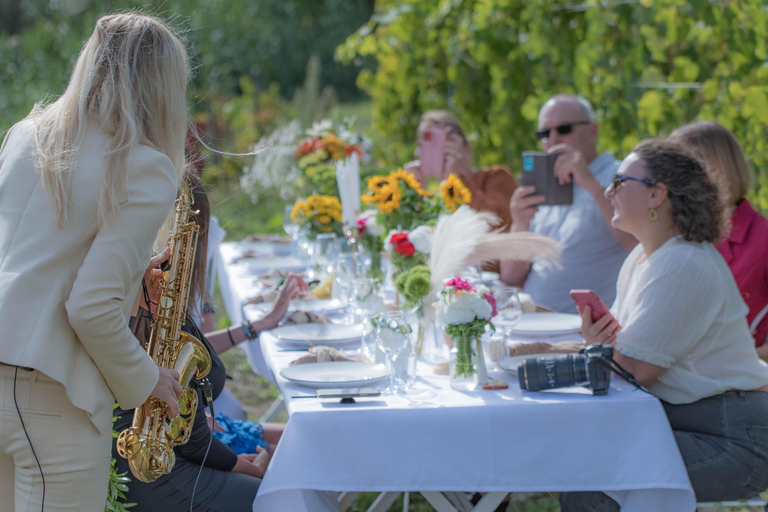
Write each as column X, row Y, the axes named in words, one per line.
column 454, row 193
column 390, row 199
column 409, row 179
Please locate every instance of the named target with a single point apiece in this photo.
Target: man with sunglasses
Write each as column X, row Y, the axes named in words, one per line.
column 593, row 251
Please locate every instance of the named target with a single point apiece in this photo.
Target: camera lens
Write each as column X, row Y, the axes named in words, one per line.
column 553, row 372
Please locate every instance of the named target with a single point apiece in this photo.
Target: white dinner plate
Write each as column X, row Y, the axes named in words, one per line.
column 318, row 334
column 547, row 324
column 313, row 305
column 510, row 364
column 335, row 374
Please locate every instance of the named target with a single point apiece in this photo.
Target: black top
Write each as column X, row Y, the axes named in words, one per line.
column 220, row 455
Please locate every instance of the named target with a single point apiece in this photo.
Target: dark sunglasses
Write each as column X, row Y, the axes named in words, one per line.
column 618, row 179
column 563, row 129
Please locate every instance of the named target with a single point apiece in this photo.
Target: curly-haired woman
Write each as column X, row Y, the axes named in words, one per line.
column 683, row 330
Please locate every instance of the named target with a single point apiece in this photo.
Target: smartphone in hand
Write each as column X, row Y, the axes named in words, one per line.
column 589, row 298
column 539, row 172
column 432, row 151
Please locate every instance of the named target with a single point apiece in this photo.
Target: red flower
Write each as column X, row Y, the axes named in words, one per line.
column 353, row 149
column 492, row 301
column 402, row 245
column 361, row 223
column 305, row 147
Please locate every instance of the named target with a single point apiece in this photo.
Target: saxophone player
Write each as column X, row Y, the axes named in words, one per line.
column 86, row 182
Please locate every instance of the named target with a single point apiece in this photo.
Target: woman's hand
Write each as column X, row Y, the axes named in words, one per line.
column 152, row 278
column 290, row 289
column 254, row 464
column 602, row 331
column 457, row 154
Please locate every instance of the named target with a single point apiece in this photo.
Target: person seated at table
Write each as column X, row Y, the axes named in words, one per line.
column 491, row 187
column 593, row 250
column 746, row 247
column 683, row 331
column 231, row 477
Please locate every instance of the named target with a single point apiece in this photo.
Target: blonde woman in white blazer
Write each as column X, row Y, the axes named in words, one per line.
column 85, row 185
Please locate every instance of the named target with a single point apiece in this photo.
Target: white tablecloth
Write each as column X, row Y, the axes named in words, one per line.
column 439, row 439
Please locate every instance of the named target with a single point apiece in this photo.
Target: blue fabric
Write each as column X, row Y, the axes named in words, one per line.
column 241, row 436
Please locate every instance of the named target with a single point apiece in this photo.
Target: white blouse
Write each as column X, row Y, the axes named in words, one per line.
column 680, row 309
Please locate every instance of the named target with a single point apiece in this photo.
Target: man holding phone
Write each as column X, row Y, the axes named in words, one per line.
column 593, row 251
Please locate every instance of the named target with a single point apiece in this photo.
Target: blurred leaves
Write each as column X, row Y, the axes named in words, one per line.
column 647, row 67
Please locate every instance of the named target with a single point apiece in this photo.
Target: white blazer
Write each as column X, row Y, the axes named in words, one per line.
column 66, row 294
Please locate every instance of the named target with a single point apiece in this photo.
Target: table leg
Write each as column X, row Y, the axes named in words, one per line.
column 383, row 502
column 490, row 501
column 346, row 499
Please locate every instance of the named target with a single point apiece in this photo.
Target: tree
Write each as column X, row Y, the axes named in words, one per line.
column 646, row 66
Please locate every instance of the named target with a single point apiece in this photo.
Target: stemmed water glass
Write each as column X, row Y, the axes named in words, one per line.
column 347, row 269
column 364, row 300
column 392, row 336
column 291, row 229
column 508, row 307
column 325, row 254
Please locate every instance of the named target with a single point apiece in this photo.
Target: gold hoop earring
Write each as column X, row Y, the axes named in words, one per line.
column 652, row 215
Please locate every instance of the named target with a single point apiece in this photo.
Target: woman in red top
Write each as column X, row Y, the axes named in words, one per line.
column 746, row 247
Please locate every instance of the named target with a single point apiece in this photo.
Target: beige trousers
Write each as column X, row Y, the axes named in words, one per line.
column 74, row 456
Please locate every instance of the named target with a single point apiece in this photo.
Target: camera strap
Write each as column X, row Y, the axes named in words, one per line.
column 624, row 374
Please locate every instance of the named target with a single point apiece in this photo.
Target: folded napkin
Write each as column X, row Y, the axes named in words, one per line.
column 267, row 238
column 305, row 317
column 250, row 253
column 544, row 347
column 323, row 354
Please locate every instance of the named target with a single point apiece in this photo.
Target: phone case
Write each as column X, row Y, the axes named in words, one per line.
column 539, row 172
column 589, row 298
column 431, row 151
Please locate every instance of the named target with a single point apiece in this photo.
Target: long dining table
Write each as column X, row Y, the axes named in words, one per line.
column 435, row 439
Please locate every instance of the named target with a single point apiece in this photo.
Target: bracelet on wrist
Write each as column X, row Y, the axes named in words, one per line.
column 249, row 332
column 231, row 339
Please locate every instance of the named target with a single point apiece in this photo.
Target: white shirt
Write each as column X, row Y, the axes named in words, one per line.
column 680, row 309
column 591, row 256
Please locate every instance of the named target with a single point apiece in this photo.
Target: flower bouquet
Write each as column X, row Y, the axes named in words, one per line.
column 371, row 239
column 465, row 312
column 318, row 214
column 453, row 193
column 399, row 199
column 318, row 153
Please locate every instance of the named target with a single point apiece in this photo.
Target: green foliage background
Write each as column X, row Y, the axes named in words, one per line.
column 647, row 66
column 259, row 41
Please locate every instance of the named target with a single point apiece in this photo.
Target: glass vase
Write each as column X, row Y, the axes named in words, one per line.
column 428, row 343
column 462, row 363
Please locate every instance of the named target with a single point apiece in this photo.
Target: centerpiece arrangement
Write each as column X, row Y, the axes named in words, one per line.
column 465, row 313
column 318, row 214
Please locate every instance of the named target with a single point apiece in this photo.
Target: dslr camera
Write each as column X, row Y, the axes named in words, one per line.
column 591, row 367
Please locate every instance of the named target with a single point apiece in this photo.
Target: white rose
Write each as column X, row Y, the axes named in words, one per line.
column 372, row 227
column 421, row 238
column 455, row 313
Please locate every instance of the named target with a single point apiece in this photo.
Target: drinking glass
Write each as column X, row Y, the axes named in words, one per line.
column 347, row 269
column 293, row 230
column 325, row 254
column 508, row 307
column 364, row 301
column 392, row 337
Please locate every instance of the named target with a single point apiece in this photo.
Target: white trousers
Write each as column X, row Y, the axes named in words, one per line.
column 74, row 456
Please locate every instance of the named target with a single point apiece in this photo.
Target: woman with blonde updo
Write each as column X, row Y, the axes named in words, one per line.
column 746, row 247
column 86, row 183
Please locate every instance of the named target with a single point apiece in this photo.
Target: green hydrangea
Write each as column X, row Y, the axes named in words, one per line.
column 416, row 286
column 400, row 283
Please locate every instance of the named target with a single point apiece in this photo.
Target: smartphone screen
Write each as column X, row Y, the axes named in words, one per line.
column 432, row 151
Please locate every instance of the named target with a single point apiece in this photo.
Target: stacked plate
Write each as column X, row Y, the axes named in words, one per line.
column 335, row 374
column 547, row 324
column 307, row 335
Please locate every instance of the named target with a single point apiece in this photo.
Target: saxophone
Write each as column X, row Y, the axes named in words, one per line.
column 148, row 443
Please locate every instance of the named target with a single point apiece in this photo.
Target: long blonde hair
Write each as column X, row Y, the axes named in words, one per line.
column 724, row 158
column 130, row 80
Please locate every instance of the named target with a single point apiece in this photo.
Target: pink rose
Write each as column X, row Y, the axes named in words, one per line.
column 492, row 301
column 460, row 284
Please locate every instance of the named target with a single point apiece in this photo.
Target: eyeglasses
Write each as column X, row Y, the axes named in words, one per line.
column 562, row 129
column 618, row 179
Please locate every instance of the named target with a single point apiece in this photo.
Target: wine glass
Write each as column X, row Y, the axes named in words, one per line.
column 347, row 269
column 508, row 307
column 290, row 227
column 325, row 254
column 364, row 300
column 392, row 336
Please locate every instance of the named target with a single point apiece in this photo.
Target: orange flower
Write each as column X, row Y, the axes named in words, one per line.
column 334, row 146
column 353, row 149
column 307, row 146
